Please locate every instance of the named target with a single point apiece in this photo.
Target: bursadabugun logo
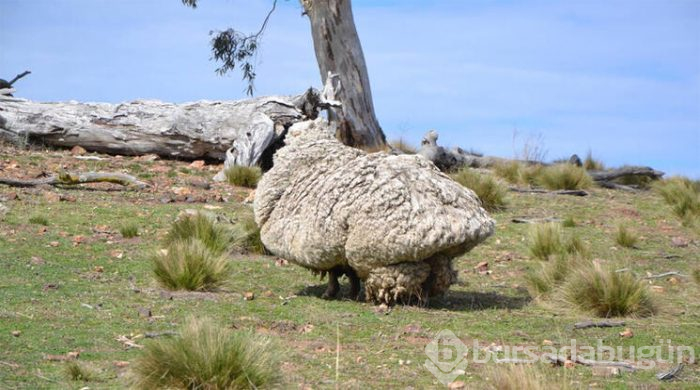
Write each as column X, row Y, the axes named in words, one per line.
column 447, row 357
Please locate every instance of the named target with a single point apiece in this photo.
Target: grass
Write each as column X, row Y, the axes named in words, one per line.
column 403, row 146
column 607, row 293
column 190, row 265
column 246, row 233
column 39, row 220
column 217, row 237
column 287, row 308
column 129, row 231
column 243, row 176
column 564, row 177
column 591, row 164
column 207, row 356
column 545, row 240
column 548, row 275
column 518, row 173
column 568, row 222
column 696, row 275
column 78, row 372
column 625, row 237
column 491, row 193
column 524, row 377
column 683, row 195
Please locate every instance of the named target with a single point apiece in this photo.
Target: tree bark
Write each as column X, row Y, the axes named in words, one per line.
column 204, row 129
column 339, row 54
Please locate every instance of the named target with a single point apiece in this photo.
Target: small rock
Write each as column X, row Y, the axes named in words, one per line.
column 144, row 312
column 36, row 260
column 121, row 363
column 457, row 385
column 16, row 333
column 248, row 296
column 569, row 364
column 197, row 164
column 627, row 333
column 99, row 269
column 680, row 242
column 268, row 294
column 78, row 150
column 199, row 183
column 547, row 342
column 51, row 197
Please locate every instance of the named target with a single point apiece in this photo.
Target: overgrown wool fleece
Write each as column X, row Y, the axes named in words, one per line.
column 395, row 219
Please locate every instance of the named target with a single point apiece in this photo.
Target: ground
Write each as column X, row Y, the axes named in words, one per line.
column 76, row 285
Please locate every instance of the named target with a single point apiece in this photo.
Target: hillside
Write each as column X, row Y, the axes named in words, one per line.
column 72, row 284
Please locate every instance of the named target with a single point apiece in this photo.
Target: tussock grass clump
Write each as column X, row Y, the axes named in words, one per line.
column 403, row 146
column 591, row 164
column 518, row 173
column 576, row 246
column 549, row 275
column 683, row 195
column 545, row 240
column 491, row 193
column 206, row 356
column 129, row 231
column 696, row 275
column 523, row 377
column 77, row 372
column 216, row 237
column 568, row 222
column 607, row 293
column 190, row 265
column 246, row 233
column 39, row 220
column 242, row 176
column 564, row 177
column 625, row 238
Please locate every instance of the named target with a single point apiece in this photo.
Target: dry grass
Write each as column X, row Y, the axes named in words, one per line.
column 568, row 222
column 524, row 377
column 607, row 293
column 39, row 220
column 243, row 176
column 564, row 177
column 683, row 195
column 215, row 236
column 246, row 233
column 625, row 237
column 591, row 164
column 491, row 193
column 206, row 356
column 403, row 146
column 191, row 265
column 545, row 240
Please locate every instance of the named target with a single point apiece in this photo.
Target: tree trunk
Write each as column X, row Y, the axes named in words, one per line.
column 339, row 54
column 204, row 129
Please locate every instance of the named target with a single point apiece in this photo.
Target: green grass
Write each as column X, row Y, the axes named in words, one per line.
column 625, row 237
column 564, row 177
column 525, row 377
column 246, row 233
column 607, row 293
column 568, row 222
column 88, row 311
column 129, row 231
column 545, row 240
column 78, row 372
column 207, row 356
column 39, row 220
column 683, row 195
column 243, row 176
column 403, row 146
column 696, row 275
column 202, row 226
column 190, row 265
column 491, row 193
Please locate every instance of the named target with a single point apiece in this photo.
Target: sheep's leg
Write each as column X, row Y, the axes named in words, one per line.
column 333, row 285
column 354, row 283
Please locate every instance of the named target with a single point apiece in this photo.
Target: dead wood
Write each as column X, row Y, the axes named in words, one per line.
column 601, row 324
column 540, row 191
column 69, row 179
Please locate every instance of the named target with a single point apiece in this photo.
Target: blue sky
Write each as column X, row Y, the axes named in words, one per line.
column 619, row 78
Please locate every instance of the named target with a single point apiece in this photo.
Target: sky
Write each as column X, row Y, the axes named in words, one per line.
column 618, row 78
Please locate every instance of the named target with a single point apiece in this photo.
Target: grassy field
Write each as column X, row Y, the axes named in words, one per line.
column 72, row 284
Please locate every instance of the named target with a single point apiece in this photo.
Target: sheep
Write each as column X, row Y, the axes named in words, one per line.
column 396, row 221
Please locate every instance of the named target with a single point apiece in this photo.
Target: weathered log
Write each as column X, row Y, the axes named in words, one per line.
column 66, row 178
column 600, row 324
column 203, row 129
column 541, row 191
column 612, row 174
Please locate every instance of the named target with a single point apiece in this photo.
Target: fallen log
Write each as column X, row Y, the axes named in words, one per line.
column 612, row 174
column 541, row 191
column 601, row 324
column 66, row 178
column 197, row 130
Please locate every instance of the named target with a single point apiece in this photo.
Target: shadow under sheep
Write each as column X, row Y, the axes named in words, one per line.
column 451, row 300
